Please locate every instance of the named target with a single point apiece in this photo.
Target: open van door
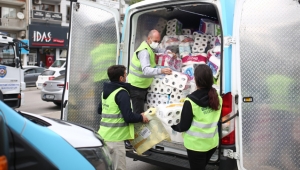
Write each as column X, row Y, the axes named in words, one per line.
column 265, row 82
column 93, row 47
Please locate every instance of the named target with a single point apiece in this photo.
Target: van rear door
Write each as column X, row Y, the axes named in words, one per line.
column 93, row 47
column 265, row 82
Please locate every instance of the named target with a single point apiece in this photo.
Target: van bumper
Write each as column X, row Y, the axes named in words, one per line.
column 227, row 163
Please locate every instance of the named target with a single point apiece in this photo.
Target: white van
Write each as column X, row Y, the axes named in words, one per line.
column 258, row 74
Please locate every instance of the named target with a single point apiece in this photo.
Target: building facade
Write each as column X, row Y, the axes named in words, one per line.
column 43, row 24
column 14, row 20
column 48, row 31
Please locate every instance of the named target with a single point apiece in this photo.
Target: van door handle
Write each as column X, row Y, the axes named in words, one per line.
column 235, row 115
column 65, row 103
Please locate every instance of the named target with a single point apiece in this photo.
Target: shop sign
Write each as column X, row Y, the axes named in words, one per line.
column 46, row 15
column 48, row 36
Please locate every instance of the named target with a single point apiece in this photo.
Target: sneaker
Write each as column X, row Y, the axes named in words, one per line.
column 143, row 154
column 128, row 146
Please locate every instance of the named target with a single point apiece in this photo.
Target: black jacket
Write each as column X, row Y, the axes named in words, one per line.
column 122, row 99
column 200, row 97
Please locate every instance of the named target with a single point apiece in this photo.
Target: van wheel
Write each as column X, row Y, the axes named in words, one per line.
column 57, row 103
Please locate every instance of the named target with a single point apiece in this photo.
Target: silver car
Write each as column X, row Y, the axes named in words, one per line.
column 52, row 90
column 31, row 74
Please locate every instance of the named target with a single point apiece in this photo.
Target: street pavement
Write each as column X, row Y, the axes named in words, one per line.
column 34, row 104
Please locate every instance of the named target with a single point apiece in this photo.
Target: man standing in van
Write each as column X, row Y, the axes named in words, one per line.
column 142, row 70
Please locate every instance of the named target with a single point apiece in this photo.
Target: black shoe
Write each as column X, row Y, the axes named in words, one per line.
column 128, row 146
column 146, row 153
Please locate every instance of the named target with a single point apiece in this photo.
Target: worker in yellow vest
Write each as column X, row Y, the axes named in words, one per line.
column 199, row 119
column 117, row 120
column 103, row 55
column 142, row 70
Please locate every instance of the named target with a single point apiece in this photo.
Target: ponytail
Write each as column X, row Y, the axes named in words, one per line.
column 214, row 102
column 204, row 79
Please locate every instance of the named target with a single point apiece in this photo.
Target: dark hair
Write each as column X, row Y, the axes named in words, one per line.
column 204, row 79
column 115, row 71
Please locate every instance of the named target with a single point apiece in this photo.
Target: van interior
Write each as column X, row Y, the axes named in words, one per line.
column 189, row 15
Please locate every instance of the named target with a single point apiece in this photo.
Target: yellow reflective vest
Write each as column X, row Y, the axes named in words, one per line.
column 103, row 56
column 279, row 87
column 113, row 127
column 136, row 77
column 203, row 134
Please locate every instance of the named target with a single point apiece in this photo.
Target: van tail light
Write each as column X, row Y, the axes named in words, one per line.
column 51, row 78
column 61, row 85
column 228, row 133
column 19, row 96
column 3, row 163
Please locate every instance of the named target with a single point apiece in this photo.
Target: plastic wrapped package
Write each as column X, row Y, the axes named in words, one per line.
column 186, row 31
column 168, row 61
column 209, row 27
column 215, row 41
column 214, row 64
column 146, row 135
column 189, row 71
column 186, row 39
column 170, row 43
column 194, row 58
column 161, row 25
column 169, row 115
column 184, row 49
column 155, row 99
column 174, row 27
column 176, row 79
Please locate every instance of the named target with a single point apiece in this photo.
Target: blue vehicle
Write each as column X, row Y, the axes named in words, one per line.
column 259, row 62
column 29, row 141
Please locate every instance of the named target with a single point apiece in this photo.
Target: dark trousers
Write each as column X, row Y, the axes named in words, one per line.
column 199, row 160
column 138, row 98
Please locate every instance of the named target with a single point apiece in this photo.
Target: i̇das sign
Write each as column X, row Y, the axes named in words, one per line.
column 41, row 37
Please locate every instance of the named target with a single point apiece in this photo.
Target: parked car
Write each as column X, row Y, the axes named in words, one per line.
column 53, row 89
column 48, row 75
column 31, row 74
column 30, row 141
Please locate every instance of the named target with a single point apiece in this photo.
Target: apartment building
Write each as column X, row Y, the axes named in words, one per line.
column 14, row 20
column 48, row 28
column 48, row 31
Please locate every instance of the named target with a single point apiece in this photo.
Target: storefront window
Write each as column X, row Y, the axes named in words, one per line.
column 32, row 59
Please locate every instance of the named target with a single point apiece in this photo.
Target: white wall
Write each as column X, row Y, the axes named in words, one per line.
column 63, row 9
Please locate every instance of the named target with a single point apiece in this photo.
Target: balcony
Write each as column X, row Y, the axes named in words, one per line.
column 12, row 24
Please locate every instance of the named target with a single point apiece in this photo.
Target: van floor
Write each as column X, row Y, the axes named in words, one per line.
column 164, row 160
